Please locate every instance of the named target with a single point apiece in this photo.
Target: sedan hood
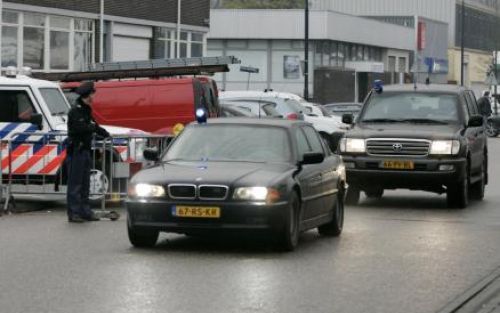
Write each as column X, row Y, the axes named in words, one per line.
column 404, row 130
column 224, row 173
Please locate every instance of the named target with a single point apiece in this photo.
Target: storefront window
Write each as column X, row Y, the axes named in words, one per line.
column 59, row 50
column 33, row 47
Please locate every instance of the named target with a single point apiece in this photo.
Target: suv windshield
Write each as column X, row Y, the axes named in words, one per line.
column 231, row 143
column 55, row 101
column 411, row 107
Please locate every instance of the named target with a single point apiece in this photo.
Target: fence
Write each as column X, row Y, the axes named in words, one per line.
column 35, row 164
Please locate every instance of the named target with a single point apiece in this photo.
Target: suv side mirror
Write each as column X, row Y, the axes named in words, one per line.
column 348, row 119
column 476, row 121
column 313, row 158
column 151, row 154
column 37, row 119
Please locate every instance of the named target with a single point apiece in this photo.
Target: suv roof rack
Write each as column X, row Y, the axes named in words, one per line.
column 151, row 68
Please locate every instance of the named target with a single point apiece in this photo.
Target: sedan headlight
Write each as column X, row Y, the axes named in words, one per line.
column 445, row 147
column 269, row 195
column 146, row 191
column 352, row 145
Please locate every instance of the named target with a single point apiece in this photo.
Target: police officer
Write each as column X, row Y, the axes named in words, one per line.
column 81, row 130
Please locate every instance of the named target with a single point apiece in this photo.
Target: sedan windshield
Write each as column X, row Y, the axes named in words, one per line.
column 411, row 107
column 231, row 143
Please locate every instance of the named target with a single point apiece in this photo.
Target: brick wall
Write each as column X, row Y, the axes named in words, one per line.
column 194, row 12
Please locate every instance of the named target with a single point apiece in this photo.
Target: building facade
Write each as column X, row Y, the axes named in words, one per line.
column 479, row 28
column 273, row 42
column 50, row 35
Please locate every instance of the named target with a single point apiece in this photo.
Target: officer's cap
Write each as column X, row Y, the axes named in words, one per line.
column 85, row 89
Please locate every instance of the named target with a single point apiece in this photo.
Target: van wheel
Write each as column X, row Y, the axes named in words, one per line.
column 352, row 195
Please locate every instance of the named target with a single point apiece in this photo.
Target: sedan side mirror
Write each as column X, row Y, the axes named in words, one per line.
column 313, row 158
column 151, row 154
column 476, row 121
column 37, row 119
column 348, row 119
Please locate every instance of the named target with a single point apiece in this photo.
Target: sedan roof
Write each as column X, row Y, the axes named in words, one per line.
column 425, row 88
column 256, row 121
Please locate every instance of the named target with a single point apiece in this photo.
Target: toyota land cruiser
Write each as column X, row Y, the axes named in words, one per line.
column 422, row 137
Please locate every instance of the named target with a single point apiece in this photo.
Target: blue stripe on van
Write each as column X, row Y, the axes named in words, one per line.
column 7, row 129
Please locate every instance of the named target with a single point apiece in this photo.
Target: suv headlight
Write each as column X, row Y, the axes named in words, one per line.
column 445, row 147
column 269, row 195
column 146, row 191
column 352, row 145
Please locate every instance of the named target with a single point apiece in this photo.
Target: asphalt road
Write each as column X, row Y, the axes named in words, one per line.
column 404, row 253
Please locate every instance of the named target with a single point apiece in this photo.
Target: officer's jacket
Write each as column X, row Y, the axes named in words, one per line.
column 82, row 127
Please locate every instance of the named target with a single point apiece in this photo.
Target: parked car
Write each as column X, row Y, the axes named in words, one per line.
column 430, row 138
column 216, row 177
column 339, row 109
column 229, row 110
column 258, row 108
column 152, row 105
column 286, row 105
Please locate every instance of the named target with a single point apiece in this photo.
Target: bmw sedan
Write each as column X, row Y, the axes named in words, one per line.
column 276, row 177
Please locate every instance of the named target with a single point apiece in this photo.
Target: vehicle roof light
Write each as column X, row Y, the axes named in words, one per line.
column 378, row 86
column 11, row 72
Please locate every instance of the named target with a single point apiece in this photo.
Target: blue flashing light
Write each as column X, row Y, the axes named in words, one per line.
column 378, row 86
column 201, row 116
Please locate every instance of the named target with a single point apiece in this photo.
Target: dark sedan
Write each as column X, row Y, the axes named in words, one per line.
column 272, row 176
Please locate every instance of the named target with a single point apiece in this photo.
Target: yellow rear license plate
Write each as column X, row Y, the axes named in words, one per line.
column 196, row 211
column 399, row 165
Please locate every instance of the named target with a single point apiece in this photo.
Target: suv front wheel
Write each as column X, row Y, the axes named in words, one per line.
column 457, row 195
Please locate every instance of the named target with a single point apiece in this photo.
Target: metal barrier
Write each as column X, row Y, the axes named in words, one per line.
column 35, row 164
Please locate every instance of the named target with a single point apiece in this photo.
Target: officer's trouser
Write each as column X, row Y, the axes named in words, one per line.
column 78, row 164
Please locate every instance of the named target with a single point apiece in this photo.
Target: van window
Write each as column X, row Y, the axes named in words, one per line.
column 16, row 106
column 55, row 101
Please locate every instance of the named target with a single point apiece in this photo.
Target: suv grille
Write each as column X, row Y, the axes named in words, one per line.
column 213, row 192
column 179, row 191
column 400, row 147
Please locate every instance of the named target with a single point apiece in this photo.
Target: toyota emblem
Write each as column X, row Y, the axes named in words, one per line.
column 397, row 147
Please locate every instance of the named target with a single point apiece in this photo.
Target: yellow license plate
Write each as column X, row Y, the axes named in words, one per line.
column 399, row 165
column 195, row 211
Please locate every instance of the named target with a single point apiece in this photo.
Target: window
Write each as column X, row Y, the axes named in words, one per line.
column 471, row 104
column 313, row 139
column 402, row 65
column 16, row 106
column 55, row 101
column 302, row 145
column 196, row 44
column 33, row 47
column 392, row 64
column 9, row 46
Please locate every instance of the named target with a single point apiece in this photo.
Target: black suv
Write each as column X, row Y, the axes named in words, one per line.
column 424, row 137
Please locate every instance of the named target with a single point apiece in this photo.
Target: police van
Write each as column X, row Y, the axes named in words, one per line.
column 33, row 127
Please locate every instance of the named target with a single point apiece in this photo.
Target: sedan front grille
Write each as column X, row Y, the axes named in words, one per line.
column 397, row 147
column 212, row 192
column 182, row 191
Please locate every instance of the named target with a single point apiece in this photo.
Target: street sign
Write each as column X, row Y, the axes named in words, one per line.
column 491, row 80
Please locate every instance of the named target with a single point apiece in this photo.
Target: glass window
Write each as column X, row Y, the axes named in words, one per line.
column 326, row 53
column 184, row 36
column 16, row 106
column 183, row 50
column 33, row 45
column 59, row 50
column 313, row 139
column 197, row 37
column 196, row 50
column 83, row 25
column 359, row 56
column 9, row 46
column 231, row 143
column 402, row 65
column 366, row 53
column 302, row 145
column 10, row 17
column 55, row 101
column 34, row 19
column 353, row 53
column 59, row 22
column 392, row 64
column 83, row 51
column 334, row 61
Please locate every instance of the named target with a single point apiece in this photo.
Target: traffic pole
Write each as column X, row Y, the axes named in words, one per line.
column 306, row 52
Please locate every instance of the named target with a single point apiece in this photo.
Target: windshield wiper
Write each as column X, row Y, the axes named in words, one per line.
column 382, row 120
column 424, row 121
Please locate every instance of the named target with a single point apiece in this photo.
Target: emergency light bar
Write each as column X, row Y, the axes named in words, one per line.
column 151, row 68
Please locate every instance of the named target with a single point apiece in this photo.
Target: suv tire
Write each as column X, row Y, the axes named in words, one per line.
column 477, row 189
column 457, row 194
column 490, row 130
column 352, row 196
column 289, row 236
column 142, row 238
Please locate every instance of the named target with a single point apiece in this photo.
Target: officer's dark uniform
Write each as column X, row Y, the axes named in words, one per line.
column 81, row 130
